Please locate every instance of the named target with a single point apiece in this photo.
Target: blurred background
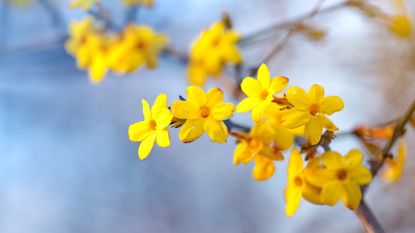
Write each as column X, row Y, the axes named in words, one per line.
column 67, row 165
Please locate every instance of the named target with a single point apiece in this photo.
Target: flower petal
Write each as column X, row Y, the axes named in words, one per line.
column 277, row 84
column 258, row 110
column 185, row 109
column 196, row 95
column 331, row 193
column 295, row 119
column 160, row 103
column 313, row 130
column 146, row 110
column 222, row 111
column 216, row 130
column 295, row 164
column 361, row 175
column 293, row 199
column 251, row 87
column 242, row 154
column 264, row 168
column 163, row 139
column 264, row 76
column 332, row 160
column 353, row 158
column 298, row 97
column 331, row 104
column 214, row 97
column 146, row 146
column 352, row 195
column 247, row 104
column 138, row 131
column 191, row 130
column 163, row 118
column 316, row 93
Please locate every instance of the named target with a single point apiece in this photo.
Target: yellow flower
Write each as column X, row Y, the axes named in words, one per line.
column 273, row 116
column 84, row 4
column 130, row 3
column 137, row 46
column 310, row 110
column 341, row 178
column 20, row 3
column 203, row 112
column 215, row 47
column 258, row 146
column 394, row 166
column 260, row 92
column 153, row 128
column 296, row 183
column 400, row 24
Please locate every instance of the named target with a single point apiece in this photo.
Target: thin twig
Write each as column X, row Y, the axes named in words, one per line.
column 368, row 219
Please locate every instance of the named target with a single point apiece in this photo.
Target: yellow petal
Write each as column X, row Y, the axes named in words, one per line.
column 163, row 118
column 191, row 130
column 331, row 193
column 214, row 97
column 295, row 164
column 331, row 104
column 264, row 168
column 352, row 195
column 277, row 84
column 258, row 110
column 196, row 95
column 242, row 154
column 316, row 93
column 146, row 110
column 216, row 130
column 159, row 103
column 353, row 158
column 361, row 175
column 284, row 139
column 251, row 87
column 313, row 130
column 311, row 193
column 163, row 139
column 138, row 131
column 184, row 109
column 295, row 119
column 247, row 104
column 332, row 160
column 264, row 76
column 222, row 111
column 146, row 146
column 327, row 123
column 293, row 199
column 298, row 97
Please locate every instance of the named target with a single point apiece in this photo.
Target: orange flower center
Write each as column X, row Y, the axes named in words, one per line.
column 140, row 46
column 341, row 174
column 216, row 42
column 298, row 181
column 153, row 124
column 255, row 143
column 314, row 109
column 264, row 94
column 204, row 111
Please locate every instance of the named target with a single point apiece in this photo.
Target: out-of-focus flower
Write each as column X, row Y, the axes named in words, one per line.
column 153, row 128
column 310, row 110
column 375, row 132
column 84, row 4
column 20, row 3
column 393, row 167
column 400, row 23
column 260, row 92
column 215, row 47
column 296, row 183
column 130, row 3
column 203, row 112
column 137, row 46
column 341, row 178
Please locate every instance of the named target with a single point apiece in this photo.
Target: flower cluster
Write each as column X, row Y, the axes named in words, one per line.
column 213, row 49
column 277, row 120
column 100, row 51
column 88, row 4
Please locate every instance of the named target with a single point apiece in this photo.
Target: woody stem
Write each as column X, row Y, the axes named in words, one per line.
column 368, row 219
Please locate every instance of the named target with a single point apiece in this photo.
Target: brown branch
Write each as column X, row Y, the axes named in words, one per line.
column 368, row 219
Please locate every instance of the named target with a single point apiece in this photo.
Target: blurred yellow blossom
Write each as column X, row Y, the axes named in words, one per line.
column 341, row 178
column 130, row 3
column 84, row 4
column 153, row 128
column 394, row 166
column 214, row 48
column 260, row 91
column 400, row 24
column 310, row 109
column 203, row 112
column 136, row 46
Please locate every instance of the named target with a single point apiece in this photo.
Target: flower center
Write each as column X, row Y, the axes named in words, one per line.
column 314, row 109
column 264, row 94
column 204, row 111
column 298, row 181
column 153, row 124
column 341, row 174
column 216, row 42
column 255, row 143
column 140, row 46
